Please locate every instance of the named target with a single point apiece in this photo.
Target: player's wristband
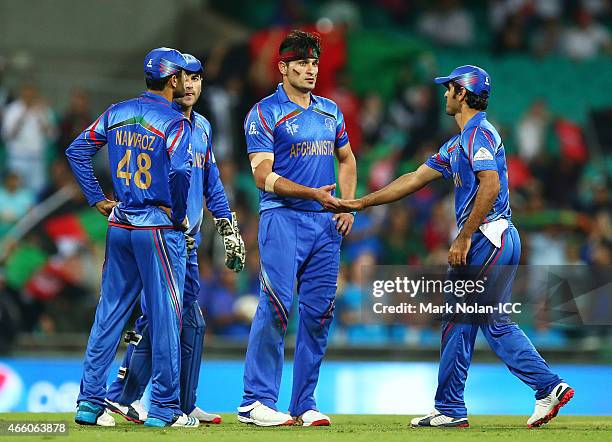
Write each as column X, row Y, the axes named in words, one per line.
column 270, row 181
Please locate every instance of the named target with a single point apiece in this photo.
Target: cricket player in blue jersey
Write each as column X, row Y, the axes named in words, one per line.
column 150, row 159
column 125, row 392
column 475, row 160
column 292, row 139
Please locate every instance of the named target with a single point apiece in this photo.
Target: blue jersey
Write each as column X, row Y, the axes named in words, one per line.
column 478, row 147
column 150, row 160
column 303, row 142
column 205, row 179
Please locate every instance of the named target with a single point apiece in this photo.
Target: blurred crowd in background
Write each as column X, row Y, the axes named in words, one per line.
column 559, row 162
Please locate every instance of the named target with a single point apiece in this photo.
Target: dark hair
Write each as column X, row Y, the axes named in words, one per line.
column 301, row 42
column 477, row 102
column 157, row 84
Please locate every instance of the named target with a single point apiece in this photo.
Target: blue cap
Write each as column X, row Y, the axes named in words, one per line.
column 163, row 62
column 473, row 78
column 193, row 64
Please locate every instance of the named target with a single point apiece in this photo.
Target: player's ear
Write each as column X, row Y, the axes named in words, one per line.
column 174, row 81
column 282, row 67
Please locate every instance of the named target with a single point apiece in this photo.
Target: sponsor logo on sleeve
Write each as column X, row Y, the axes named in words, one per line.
column 483, row 155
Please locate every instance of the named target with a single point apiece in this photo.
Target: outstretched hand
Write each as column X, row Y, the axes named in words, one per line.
column 348, row 206
column 324, row 197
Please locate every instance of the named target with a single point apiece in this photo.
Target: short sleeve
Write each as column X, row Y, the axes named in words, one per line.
column 481, row 148
column 341, row 134
column 440, row 161
column 259, row 136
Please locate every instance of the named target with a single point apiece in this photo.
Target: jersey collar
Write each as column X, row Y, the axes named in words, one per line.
column 177, row 107
column 156, row 97
column 475, row 120
column 284, row 98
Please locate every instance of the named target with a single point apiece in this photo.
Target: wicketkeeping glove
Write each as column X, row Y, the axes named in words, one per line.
column 235, row 252
column 190, row 242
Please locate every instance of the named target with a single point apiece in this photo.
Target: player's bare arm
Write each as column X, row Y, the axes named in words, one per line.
column 396, row 190
column 268, row 181
column 347, row 178
column 485, row 197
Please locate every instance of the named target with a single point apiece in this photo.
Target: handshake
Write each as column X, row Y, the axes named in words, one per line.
column 336, row 205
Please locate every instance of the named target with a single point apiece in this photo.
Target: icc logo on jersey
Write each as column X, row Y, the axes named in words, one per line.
column 150, row 63
column 291, row 127
column 329, row 123
column 252, row 129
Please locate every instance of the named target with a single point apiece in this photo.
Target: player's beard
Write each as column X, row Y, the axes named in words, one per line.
column 452, row 110
column 302, row 85
column 302, row 89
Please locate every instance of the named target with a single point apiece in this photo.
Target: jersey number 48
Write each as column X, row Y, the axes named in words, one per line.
column 142, row 177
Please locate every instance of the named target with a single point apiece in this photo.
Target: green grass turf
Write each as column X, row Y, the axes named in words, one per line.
column 345, row 428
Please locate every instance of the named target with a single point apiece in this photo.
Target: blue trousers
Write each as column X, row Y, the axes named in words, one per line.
column 151, row 261
column 135, row 369
column 506, row 339
column 297, row 250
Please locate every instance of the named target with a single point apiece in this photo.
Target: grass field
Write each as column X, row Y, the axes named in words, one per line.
column 345, row 428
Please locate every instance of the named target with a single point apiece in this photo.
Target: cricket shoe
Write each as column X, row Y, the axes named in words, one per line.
column 547, row 408
column 313, row 418
column 135, row 412
column 437, row 419
column 178, row 420
column 263, row 416
column 89, row 413
column 204, row 417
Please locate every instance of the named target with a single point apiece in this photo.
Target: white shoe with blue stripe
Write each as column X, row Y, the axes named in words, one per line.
column 437, row 419
column 179, row 420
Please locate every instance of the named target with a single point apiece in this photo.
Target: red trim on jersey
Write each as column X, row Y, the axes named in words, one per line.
column 471, row 145
column 263, row 121
column 489, row 138
column 155, row 131
column 342, row 131
column 130, row 227
column 92, row 133
column 441, row 160
column 288, row 116
column 178, row 134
